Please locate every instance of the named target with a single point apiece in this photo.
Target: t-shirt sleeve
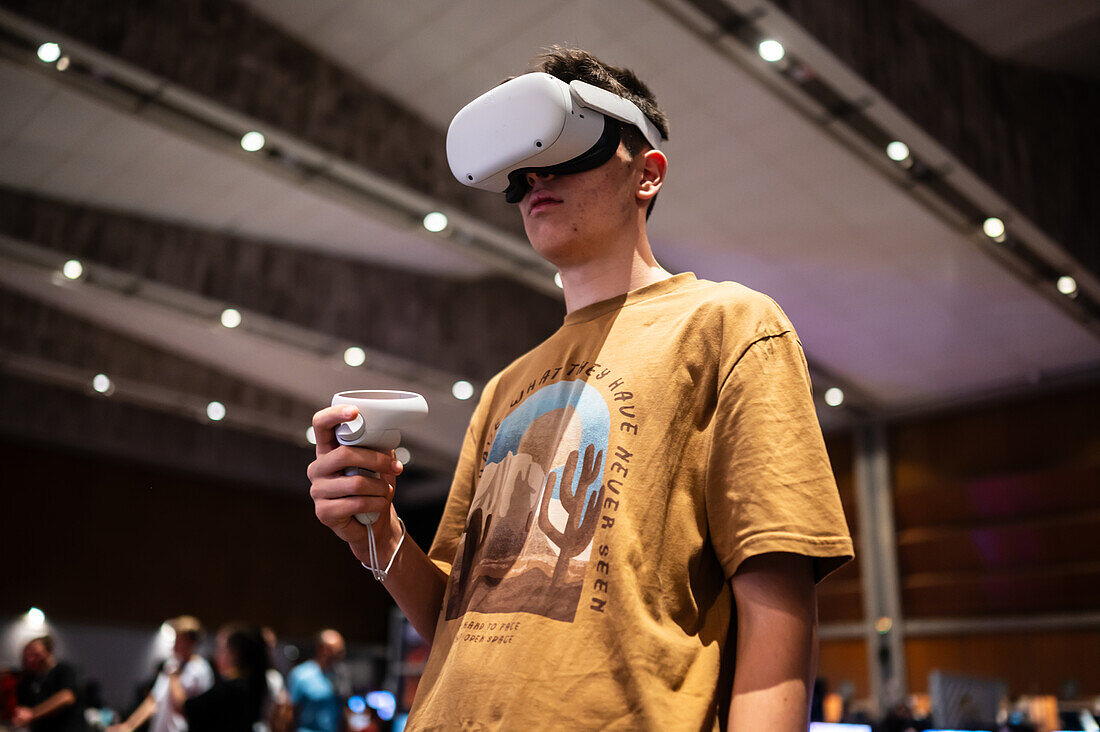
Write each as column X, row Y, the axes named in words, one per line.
column 197, row 677
column 769, row 485
column 453, row 522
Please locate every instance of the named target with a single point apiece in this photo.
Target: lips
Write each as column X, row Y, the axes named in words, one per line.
column 540, row 201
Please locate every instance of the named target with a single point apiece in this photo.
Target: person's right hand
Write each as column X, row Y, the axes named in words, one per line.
column 338, row 497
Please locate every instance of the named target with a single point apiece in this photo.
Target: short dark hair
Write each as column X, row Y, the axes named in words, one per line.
column 569, row 64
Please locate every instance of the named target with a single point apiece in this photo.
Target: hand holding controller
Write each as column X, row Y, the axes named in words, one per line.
column 382, row 415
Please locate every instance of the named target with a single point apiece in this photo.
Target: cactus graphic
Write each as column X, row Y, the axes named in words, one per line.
column 578, row 531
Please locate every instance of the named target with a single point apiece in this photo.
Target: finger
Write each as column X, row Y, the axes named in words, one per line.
column 325, row 423
column 337, row 459
column 339, row 513
column 350, row 485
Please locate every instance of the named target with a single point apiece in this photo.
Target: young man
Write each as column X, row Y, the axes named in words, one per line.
column 643, row 502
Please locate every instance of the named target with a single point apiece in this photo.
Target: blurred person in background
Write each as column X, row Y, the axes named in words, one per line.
column 278, row 711
column 317, row 705
column 47, row 692
column 195, row 677
column 236, row 700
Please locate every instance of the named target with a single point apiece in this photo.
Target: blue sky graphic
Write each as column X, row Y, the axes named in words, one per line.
column 589, row 405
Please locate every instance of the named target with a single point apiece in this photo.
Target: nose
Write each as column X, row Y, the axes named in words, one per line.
column 533, row 175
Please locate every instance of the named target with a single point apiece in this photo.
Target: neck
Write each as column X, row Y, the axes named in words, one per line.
column 611, row 275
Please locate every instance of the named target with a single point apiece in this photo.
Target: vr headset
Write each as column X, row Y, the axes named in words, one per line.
column 537, row 122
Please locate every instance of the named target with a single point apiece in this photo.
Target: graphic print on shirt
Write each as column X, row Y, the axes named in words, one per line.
column 529, row 531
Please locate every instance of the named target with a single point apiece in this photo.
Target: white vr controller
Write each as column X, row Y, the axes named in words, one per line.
column 382, row 415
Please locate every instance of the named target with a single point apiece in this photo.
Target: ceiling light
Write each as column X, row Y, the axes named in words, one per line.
column 462, row 390
column 1067, row 285
column 994, row 228
column 834, row 396
column 62, row 63
column 73, row 269
column 311, row 435
column 435, row 222
column 49, row 52
column 215, row 411
column 231, row 317
column 897, row 151
column 403, row 454
column 101, row 383
column 557, row 279
column 355, row 356
column 252, row 141
column 771, row 50
column 36, row 618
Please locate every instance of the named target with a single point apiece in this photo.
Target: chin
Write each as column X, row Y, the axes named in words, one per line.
column 556, row 251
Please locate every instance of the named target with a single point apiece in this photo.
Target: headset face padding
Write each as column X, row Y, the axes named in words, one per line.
column 594, row 157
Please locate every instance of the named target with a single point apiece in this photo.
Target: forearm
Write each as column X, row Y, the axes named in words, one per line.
column 141, row 714
column 416, row 584
column 176, row 693
column 781, row 706
column 55, row 702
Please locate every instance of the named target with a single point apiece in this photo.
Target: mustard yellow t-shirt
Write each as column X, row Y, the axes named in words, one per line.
column 611, row 482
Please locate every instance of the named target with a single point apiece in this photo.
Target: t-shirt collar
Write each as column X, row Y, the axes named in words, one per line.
column 648, row 292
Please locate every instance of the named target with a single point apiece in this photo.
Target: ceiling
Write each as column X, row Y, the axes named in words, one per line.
column 890, row 298
column 1057, row 35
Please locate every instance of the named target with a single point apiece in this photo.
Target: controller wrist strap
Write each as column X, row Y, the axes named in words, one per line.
column 372, row 553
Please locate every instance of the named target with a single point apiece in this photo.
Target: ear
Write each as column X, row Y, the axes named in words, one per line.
column 654, row 167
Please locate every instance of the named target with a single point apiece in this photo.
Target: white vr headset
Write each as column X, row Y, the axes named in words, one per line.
column 537, row 122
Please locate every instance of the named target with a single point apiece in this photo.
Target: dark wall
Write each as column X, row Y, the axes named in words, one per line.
column 997, row 513
column 103, row 540
column 997, row 508
column 1040, row 662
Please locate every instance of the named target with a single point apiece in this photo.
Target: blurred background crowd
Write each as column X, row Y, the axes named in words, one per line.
column 242, row 677
column 239, row 678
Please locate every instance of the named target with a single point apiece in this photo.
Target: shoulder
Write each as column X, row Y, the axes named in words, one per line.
column 303, row 671
column 737, row 306
column 198, row 667
column 63, row 673
column 274, row 680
